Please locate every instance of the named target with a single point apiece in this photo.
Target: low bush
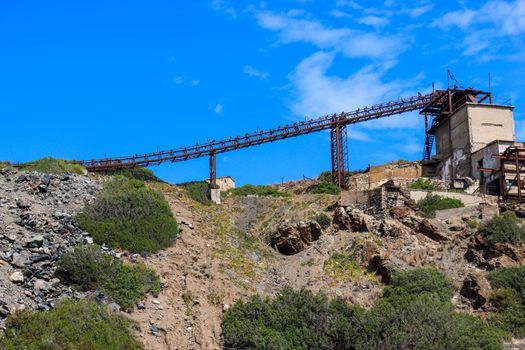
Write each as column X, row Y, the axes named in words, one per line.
column 259, row 190
column 325, row 188
column 139, row 173
column 503, row 228
column 129, row 215
column 198, row 191
column 343, row 267
column 422, row 318
column 325, row 176
column 423, row 184
column 89, row 268
column 431, row 203
column 323, row 220
column 509, row 299
column 72, row 325
column 419, row 281
column 54, row 166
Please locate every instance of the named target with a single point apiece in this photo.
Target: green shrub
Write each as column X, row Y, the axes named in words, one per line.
column 325, row 176
column 423, row 184
column 512, row 278
column 323, row 220
column 89, row 268
column 198, row 191
column 419, row 281
column 509, row 299
column 302, row 320
column 53, row 165
column 503, row 228
column 259, row 190
column 326, row 188
column 139, row 173
column 431, row 203
column 129, row 215
column 72, row 325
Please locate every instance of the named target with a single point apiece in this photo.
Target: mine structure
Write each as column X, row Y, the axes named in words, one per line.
column 472, row 137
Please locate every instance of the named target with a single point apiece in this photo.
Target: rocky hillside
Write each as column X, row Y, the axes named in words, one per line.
column 36, row 225
column 248, row 245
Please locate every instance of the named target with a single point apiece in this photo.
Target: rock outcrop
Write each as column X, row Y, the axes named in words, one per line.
column 291, row 238
column 36, row 224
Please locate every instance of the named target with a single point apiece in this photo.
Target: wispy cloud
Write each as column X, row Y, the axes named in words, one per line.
column 195, row 82
column 493, row 31
column 219, row 107
column 352, row 43
column 317, row 93
column 255, row 73
column 374, row 21
column 178, row 80
column 224, row 7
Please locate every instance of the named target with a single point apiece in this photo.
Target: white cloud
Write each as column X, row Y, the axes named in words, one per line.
column 218, row 108
column 374, row 21
column 255, row 73
column 352, row 43
column 224, row 7
column 486, row 29
column 195, row 82
column 178, row 80
column 316, row 93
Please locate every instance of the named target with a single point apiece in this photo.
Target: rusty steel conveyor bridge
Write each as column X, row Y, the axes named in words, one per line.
column 435, row 106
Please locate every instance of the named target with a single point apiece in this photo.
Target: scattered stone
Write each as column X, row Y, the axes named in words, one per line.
column 17, row 277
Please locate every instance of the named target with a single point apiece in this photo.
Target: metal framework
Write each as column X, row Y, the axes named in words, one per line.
column 443, row 104
column 434, row 104
column 339, row 143
column 512, row 167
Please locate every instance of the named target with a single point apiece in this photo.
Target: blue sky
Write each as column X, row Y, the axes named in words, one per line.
column 85, row 79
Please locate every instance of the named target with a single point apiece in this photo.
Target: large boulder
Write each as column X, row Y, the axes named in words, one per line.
column 354, row 220
column 433, row 230
column 496, row 255
column 476, row 289
column 291, row 238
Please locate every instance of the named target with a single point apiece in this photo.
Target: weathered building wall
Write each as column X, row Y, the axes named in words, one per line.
column 380, row 174
column 489, row 123
column 443, row 146
column 225, row 183
column 469, row 129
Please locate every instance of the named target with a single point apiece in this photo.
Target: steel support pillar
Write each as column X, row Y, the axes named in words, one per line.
column 428, row 147
column 339, row 143
column 213, row 170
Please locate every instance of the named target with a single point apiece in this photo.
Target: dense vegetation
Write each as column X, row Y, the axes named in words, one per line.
column 323, row 220
column 423, row 184
column 129, row 215
column 503, row 228
column 54, row 166
column 88, row 267
column 431, row 203
column 326, row 188
column 509, row 299
column 139, row 173
column 259, row 190
column 198, row 191
column 72, row 325
column 414, row 313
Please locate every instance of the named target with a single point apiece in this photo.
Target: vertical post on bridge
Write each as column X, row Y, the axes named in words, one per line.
column 215, row 192
column 339, row 145
column 213, row 170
